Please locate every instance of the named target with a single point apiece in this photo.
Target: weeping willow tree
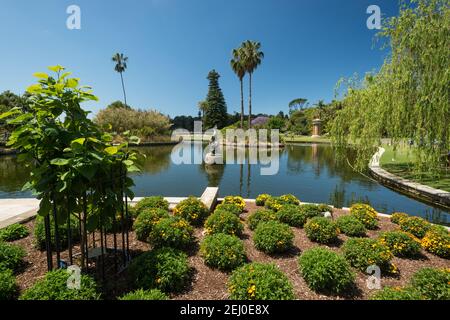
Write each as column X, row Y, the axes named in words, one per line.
column 409, row 98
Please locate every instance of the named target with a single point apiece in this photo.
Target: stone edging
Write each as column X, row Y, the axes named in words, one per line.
column 414, row 189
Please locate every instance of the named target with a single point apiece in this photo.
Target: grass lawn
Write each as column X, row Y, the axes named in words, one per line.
column 306, row 139
column 399, row 162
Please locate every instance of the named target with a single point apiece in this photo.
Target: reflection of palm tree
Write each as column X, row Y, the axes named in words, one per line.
column 241, row 178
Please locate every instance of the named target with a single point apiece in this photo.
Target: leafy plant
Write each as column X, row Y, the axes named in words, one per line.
column 400, row 243
column 261, row 199
column 224, row 222
column 275, row 203
column 432, row 283
column 14, row 232
column 260, row 215
column 273, row 237
column 11, row 256
column 140, row 294
column 237, row 200
column 8, row 285
column 325, row 270
column 322, row 230
column 397, row 293
column 397, row 217
column 311, row 210
column 223, row 251
column 292, row 215
column 351, row 226
column 154, row 202
column 172, row 232
column 229, row 207
column 192, row 210
column 146, row 220
column 366, row 214
column 39, row 233
column 364, row 252
column 437, row 241
column 417, row 226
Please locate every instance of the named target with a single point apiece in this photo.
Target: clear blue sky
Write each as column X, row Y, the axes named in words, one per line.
column 172, row 44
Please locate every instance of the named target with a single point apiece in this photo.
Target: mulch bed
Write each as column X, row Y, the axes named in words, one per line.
column 209, row 284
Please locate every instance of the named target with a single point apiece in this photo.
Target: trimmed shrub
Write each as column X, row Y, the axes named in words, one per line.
column 224, row 222
column 433, row 284
column 364, row 252
column 14, row 232
column 366, row 214
column 324, row 208
column 351, row 226
column 397, row 293
column 437, row 241
column 325, row 270
column 237, row 200
column 166, row 269
column 39, row 233
column 154, row 202
column 260, row 215
column 321, row 230
column 140, row 294
column 289, row 199
column 172, row 232
column 275, row 203
column 229, row 207
column 417, row 226
column 222, row 251
column 258, row 281
column 400, row 243
column 11, row 256
column 146, row 220
column 261, row 199
column 128, row 222
column 311, row 210
column 192, row 210
column 54, row 287
column 273, row 237
column 292, row 215
column 8, row 285
column 397, row 217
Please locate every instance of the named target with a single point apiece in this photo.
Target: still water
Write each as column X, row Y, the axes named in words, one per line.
column 310, row 172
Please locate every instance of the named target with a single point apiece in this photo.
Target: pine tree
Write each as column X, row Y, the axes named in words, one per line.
column 216, row 113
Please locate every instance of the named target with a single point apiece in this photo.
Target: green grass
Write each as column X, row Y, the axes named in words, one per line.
column 306, row 139
column 400, row 162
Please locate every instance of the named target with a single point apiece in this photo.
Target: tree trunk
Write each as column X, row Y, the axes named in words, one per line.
column 242, row 104
column 250, row 103
column 123, row 88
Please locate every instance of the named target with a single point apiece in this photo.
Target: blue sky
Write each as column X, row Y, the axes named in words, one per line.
column 172, row 44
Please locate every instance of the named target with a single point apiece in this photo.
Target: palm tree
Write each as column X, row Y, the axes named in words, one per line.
column 237, row 64
column 120, row 67
column 203, row 106
column 252, row 58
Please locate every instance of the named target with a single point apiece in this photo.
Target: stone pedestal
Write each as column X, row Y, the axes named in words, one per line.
column 317, row 128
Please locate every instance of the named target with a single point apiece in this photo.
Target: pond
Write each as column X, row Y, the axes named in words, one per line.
column 309, row 171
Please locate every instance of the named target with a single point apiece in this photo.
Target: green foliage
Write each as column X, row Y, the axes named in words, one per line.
column 11, row 256
column 39, row 232
column 224, row 222
column 140, row 294
column 146, row 220
column 275, row 203
column 260, row 215
column 166, row 269
column 236, row 200
column 273, row 237
column 157, row 202
column 364, row 252
column 8, row 285
column 191, row 209
column 276, row 123
column 14, row 232
column 389, row 293
column 366, row 214
column 437, row 241
column 396, row 217
column 216, row 113
column 292, row 215
column 321, row 230
column 172, row 232
column 400, row 243
column 54, row 287
column 351, row 226
column 312, row 210
column 261, row 199
column 258, row 281
column 223, row 251
column 325, row 270
column 417, row 226
column 229, row 207
column 433, row 284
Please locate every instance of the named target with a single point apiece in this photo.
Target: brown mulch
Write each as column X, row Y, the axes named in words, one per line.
column 207, row 283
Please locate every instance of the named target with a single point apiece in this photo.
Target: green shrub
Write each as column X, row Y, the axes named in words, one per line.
column 273, row 237
column 11, row 256
column 324, row 208
column 14, row 232
column 275, row 203
column 261, row 199
column 146, row 220
column 223, row 251
column 325, row 270
column 351, row 226
column 127, row 222
column 258, row 281
column 172, row 232
column 154, row 202
column 54, row 287
column 400, row 243
column 396, row 217
column 237, row 200
column 417, row 226
column 289, row 199
column 166, row 269
column 39, row 233
column 311, row 210
column 292, row 215
column 433, row 284
column 192, row 210
column 364, row 252
column 260, row 215
column 321, row 230
column 437, row 241
column 223, row 222
column 389, row 293
column 140, row 294
column 229, row 207
column 8, row 285
column 366, row 214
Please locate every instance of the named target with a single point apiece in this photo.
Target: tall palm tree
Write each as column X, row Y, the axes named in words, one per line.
column 237, row 64
column 203, row 106
column 252, row 57
column 120, row 67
